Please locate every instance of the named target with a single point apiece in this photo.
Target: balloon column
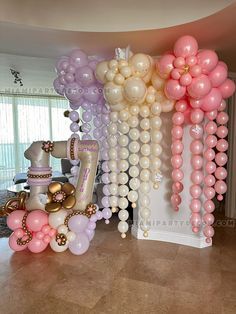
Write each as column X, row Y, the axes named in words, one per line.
column 135, row 95
column 197, row 80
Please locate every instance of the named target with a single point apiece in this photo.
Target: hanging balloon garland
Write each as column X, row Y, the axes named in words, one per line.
column 197, row 80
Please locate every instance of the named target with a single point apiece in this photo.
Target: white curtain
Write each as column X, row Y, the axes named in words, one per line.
column 24, row 119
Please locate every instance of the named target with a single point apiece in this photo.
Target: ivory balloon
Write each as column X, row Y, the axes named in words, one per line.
column 135, row 90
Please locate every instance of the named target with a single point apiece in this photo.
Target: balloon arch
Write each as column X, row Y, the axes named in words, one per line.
column 120, row 104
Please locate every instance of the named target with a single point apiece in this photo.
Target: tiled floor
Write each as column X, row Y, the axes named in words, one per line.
column 122, row 276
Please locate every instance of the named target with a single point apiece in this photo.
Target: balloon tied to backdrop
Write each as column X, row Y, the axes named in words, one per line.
column 116, row 106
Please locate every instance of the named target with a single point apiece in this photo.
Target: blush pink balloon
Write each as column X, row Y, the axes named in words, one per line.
column 177, row 161
column 196, row 131
column 13, row 243
column 197, row 176
column 222, row 105
column 179, row 62
column 209, row 206
column 212, row 101
column 209, row 154
column 211, row 115
column 176, row 74
column 178, row 118
column 221, row 159
column 227, row 89
column 196, row 116
column 14, row 220
column 218, row 75
column 208, row 219
column 222, row 145
column 186, row 46
column 196, row 103
column 174, row 90
column 165, row 65
column 187, row 116
column 210, row 167
column 195, row 191
column 195, row 71
column 209, row 192
column 177, row 187
column 175, row 200
column 177, row 175
column 208, row 231
column 181, row 105
column 209, row 180
column 37, row 245
column 197, row 162
column 222, row 131
column 208, row 60
column 185, row 79
column 195, row 205
column 196, row 220
column 221, row 173
column 177, row 132
column 199, row 87
column 36, row 220
column 220, row 187
column 211, row 141
column 222, row 118
column 223, row 64
column 177, row 147
column 211, row 127
column 196, row 147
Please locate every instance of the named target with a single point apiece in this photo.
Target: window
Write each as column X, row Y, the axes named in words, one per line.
column 24, row 119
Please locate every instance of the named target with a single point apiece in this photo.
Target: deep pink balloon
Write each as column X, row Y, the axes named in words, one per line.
column 221, row 173
column 174, row 90
column 199, row 87
column 227, row 89
column 208, row 231
column 218, row 75
column 36, row 220
column 208, row 60
column 181, row 105
column 186, row 46
column 196, row 103
column 195, row 191
column 175, row 200
column 209, row 206
column 221, row 159
column 195, row 205
column 177, row 132
column 222, row 145
column 185, row 79
column 178, row 118
column 165, row 65
column 177, row 175
column 212, row 101
column 14, row 220
column 176, row 74
column 179, row 62
column 211, row 141
column 195, row 71
column 220, row 187
column 177, row 187
column 177, row 147
column 211, row 115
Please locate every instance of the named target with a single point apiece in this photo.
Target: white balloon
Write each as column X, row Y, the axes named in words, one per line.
column 134, row 134
column 112, row 153
column 126, row 71
column 156, row 108
column 145, row 187
column 144, row 111
column 112, row 140
column 145, row 175
column 57, row 248
column 145, row 124
column 113, row 200
column 123, row 226
column 123, row 165
column 112, row 165
column 62, row 229
column 133, row 121
column 156, row 122
column 124, row 115
column 134, row 171
column 145, row 136
column 133, row 196
column 58, row 218
column 134, row 146
column 134, row 110
column 123, row 127
column 123, row 215
column 144, row 200
column 112, row 128
column 144, row 162
column 123, row 203
column 71, row 236
column 144, row 226
column 113, row 177
column 123, row 178
column 123, row 190
column 150, row 98
column 155, row 163
column 114, row 116
column 133, row 159
column 123, row 153
column 146, row 149
column 134, row 183
column 123, row 140
column 113, row 188
column 156, row 136
column 156, row 149
column 145, row 213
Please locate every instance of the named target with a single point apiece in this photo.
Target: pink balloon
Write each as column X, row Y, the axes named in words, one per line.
column 175, row 200
column 36, row 220
column 220, row 197
column 196, row 131
column 165, row 65
column 208, row 231
column 218, row 75
column 37, row 245
column 177, row 147
column 208, row 219
column 223, row 64
column 187, row 116
column 222, row 118
column 208, row 60
column 220, row 187
column 211, row 127
column 19, row 233
column 221, row 173
column 177, row 187
column 14, row 220
column 209, row 180
column 176, row 161
column 186, row 46
column 199, row 87
column 209, row 206
column 195, row 71
column 222, row 131
column 195, row 205
column 191, row 61
column 211, row 115
column 197, row 162
column 181, row 105
column 177, row 132
column 179, row 62
column 222, row 105
column 227, row 89
column 196, row 147
column 46, row 239
column 222, row 145
column 176, row 74
column 221, row 159
column 211, row 141
column 197, row 116
column 178, row 118
column 13, row 244
column 185, row 79
column 212, row 101
column 209, row 192
column 197, row 176
column 174, row 90
column 209, row 154
column 196, row 103
column 177, row 175
column 210, row 167
column 196, row 220
column 195, row 191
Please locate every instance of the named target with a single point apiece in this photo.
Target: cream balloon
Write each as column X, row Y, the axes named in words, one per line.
column 134, row 171
column 113, row 201
column 141, row 64
column 113, row 93
column 145, row 187
column 58, row 218
column 134, row 183
column 145, row 124
column 123, row 215
column 123, row 153
column 145, row 137
column 134, row 159
column 156, row 149
column 123, row 140
column 113, row 177
column 156, row 136
column 134, row 110
column 145, row 213
column 101, row 70
column 123, row 178
column 144, row 162
column 133, row 121
column 167, row 105
column 157, row 82
column 124, row 115
column 146, row 149
column 156, row 122
column 145, row 175
column 123, row 127
column 123, row 203
column 134, row 134
column 123, row 227
column 132, row 196
column 57, row 248
column 135, row 90
column 123, row 190
column 123, row 165
column 144, row 111
column 156, row 108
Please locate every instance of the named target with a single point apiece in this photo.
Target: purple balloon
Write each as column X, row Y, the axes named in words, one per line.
column 99, row 215
column 86, row 127
column 86, row 105
column 84, row 76
column 78, row 58
column 105, row 179
column 105, row 200
column 97, row 121
column 87, row 116
column 80, row 245
column 69, row 77
column 106, row 213
column 99, row 108
column 104, row 154
column 71, row 69
column 105, row 167
column 91, row 225
column 105, row 131
column 74, row 115
column 93, row 64
column 74, row 127
column 105, row 119
column 86, row 137
column 93, row 218
column 62, row 79
column 73, row 92
column 105, row 144
column 97, row 133
column 90, row 234
column 91, row 93
column 60, row 61
column 105, row 110
column 59, row 88
column 105, row 190
column 78, row 223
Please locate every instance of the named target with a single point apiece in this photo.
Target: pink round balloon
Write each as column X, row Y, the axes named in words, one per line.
column 196, row 103
column 179, row 62
column 195, row 205
column 212, row 101
column 174, row 90
column 19, row 233
column 177, row 147
column 208, row 219
column 197, row 176
column 14, row 220
column 196, row 220
column 176, row 161
column 178, row 118
column 177, row 187
column 209, row 154
column 191, row 60
column 181, row 105
column 196, row 147
column 220, row 187
column 199, row 87
column 177, row 175
column 220, row 197
column 195, row 71
column 211, row 115
column 186, row 46
column 221, row 173
column 210, row 167
column 37, row 245
column 185, row 79
column 208, row 231
column 197, row 116
column 211, row 127
column 222, row 145
column 222, row 131
column 222, row 118
column 165, row 65
column 176, row 74
column 177, row 132
column 208, row 60
column 218, row 75
column 36, row 220
column 222, row 105
column 197, row 162
column 195, row 229
column 227, row 89
column 196, row 131
column 209, row 206
column 13, row 243
column 195, row 191
column 211, row 141
column 175, row 200
column 209, row 180
column 209, row 192
column 221, row 159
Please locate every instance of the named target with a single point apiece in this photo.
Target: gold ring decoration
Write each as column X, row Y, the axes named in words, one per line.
column 60, row 196
column 88, row 212
column 14, row 203
column 72, row 146
column 47, row 146
column 39, row 176
column 61, row 239
column 28, row 233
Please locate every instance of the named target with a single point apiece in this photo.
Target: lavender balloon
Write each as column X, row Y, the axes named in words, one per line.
column 90, row 234
column 85, row 76
column 59, row 88
column 80, row 245
column 78, row 223
column 73, row 91
column 78, row 58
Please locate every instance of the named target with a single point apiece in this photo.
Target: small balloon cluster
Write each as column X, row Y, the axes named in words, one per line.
column 198, row 81
column 136, row 99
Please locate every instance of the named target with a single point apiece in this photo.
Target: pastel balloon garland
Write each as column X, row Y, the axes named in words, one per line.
column 198, row 81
